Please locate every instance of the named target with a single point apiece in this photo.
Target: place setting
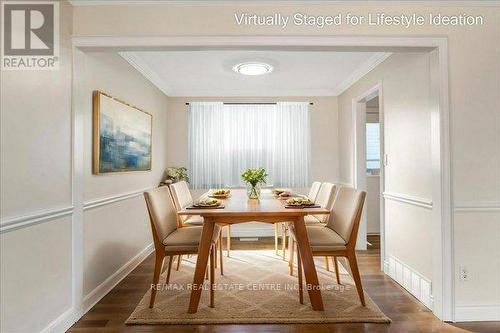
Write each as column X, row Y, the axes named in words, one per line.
column 207, row 203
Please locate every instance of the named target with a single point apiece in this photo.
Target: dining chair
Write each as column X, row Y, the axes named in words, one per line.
column 182, row 198
column 325, row 198
column 338, row 237
column 314, row 190
column 170, row 240
column 313, row 193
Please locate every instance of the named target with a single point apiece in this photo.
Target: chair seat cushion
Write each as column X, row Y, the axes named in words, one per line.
column 323, row 239
column 187, row 239
column 194, row 220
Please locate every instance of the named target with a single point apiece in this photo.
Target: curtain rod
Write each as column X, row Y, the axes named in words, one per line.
column 310, row 103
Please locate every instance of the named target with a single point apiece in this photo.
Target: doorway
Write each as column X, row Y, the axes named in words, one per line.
column 368, row 166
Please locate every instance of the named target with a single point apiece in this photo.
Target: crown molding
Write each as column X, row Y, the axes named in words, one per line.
column 139, row 64
column 438, row 3
column 361, row 71
column 142, row 67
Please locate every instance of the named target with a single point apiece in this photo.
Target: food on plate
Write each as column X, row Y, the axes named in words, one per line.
column 278, row 191
column 220, row 192
column 299, row 201
column 210, row 202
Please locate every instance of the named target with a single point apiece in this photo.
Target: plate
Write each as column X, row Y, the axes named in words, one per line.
column 207, row 203
column 219, row 193
column 299, row 202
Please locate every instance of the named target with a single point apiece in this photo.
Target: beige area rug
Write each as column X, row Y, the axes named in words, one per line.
column 256, row 289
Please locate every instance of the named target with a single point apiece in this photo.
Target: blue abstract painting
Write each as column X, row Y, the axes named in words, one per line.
column 124, row 137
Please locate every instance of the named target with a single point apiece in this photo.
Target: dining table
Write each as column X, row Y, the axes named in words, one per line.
column 238, row 208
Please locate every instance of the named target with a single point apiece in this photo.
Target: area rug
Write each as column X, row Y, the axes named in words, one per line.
column 255, row 289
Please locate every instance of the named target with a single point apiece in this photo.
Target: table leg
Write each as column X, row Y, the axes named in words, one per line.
column 308, row 264
column 201, row 264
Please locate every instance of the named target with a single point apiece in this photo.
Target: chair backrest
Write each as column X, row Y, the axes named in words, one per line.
column 346, row 214
column 181, row 195
column 325, row 197
column 161, row 213
column 313, row 192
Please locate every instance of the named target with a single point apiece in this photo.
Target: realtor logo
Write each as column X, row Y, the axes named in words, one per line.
column 30, row 35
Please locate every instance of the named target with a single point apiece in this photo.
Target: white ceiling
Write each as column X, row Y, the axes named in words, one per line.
column 296, row 73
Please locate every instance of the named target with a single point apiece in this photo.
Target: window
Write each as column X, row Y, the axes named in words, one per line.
column 226, row 139
column 373, row 148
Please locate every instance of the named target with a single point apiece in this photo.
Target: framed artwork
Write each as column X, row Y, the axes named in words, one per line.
column 122, row 136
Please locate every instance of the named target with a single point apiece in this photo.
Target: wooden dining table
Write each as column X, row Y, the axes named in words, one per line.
column 268, row 209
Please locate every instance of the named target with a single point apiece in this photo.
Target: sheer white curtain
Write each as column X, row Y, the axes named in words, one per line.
column 226, row 139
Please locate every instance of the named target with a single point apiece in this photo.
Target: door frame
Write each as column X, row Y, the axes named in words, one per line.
column 359, row 163
column 442, row 279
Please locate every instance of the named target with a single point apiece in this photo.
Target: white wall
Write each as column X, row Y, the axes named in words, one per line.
column 407, row 128
column 36, row 271
column 116, row 232
column 35, row 286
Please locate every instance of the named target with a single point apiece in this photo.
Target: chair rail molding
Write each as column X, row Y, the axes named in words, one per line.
column 114, row 198
column 477, row 206
column 23, row 221
column 408, row 199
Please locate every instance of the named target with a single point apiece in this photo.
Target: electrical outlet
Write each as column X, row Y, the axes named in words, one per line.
column 464, row 274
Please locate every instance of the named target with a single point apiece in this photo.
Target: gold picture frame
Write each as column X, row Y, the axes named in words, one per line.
column 122, row 136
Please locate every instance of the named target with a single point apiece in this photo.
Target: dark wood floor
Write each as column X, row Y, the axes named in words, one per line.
column 407, row 314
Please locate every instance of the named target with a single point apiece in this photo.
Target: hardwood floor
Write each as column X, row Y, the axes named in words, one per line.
column 407, row 314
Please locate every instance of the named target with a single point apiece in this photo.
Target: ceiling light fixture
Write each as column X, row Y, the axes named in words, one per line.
column 253, row 68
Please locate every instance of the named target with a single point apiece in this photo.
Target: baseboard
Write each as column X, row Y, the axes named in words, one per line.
column 414, row 282
column 105, row 287
column 63, row 322
column 477, row 313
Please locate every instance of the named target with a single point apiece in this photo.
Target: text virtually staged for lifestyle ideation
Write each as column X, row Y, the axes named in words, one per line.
column 350, row 19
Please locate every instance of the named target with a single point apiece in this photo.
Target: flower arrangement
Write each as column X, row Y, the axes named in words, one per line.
column 254, row 178
column 174, row 175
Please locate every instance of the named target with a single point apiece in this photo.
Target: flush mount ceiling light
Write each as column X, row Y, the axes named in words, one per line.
column 253, row 68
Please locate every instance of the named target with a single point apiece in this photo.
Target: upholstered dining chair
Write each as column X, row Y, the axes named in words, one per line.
column 314, row 190
column 182, row 198
column 338, row 237
column 325, row 198
column 170, row 240
column 313, row 193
